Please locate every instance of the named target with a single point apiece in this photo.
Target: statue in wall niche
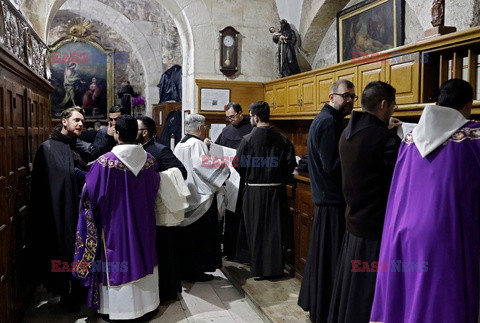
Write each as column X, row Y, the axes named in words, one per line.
column 438, row 12
column 286, row 40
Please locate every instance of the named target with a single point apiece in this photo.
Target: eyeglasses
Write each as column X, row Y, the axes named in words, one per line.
column 347, row 96
column 228, row 118
column 140, row 129
column 112, row 119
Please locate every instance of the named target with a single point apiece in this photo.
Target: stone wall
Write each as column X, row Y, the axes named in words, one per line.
column 461, row 14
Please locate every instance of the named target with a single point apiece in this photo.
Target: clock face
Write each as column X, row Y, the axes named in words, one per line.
column 228, row 41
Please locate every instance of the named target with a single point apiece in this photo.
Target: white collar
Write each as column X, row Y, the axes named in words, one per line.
column 436, row 125
column 133, row 156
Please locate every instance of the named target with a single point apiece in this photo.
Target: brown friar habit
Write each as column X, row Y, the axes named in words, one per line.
column 264, row 156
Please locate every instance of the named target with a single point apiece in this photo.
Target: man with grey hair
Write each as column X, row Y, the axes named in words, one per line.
column 329, row 213
column 198, row 236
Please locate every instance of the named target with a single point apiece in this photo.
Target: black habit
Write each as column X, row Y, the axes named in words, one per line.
column 329, row 215
column 167, row 237
column 57, row 179
column 265, row 156
column 368, row 152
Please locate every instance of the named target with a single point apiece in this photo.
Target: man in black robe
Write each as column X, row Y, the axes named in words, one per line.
column 57, row 179
column 368, row 152
column 230, row 137
column 167, row 240
column 329, row 216
column 264, row 160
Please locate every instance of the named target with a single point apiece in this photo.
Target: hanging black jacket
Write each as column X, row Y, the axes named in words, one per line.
column 170, row 85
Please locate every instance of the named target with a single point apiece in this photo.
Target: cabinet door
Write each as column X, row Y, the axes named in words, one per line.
column 324, row 82
column 5, row 155
column 280, row 98
column 268, row 96
column 293, row 96
column 404, row 76
column 304, row 206
column 349, row 74
column 308, row 97
column 368, row 73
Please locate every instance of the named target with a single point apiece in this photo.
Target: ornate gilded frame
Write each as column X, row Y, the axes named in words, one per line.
column 82, row 34
column 369, row 27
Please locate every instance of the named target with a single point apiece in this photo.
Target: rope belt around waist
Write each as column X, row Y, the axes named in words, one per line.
column 263, row 184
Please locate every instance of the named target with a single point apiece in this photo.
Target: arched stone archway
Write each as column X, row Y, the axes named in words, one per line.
column 190, row 18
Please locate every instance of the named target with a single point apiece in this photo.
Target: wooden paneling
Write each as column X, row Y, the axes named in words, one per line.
column 308, row 98
column 303, row 223
column 279, row 99
column 368, row 73
column 293, row 96
column 160, row 113
column 24, row 124
column 404, row 76
column 324, row 82
column 242, row 92
column 301, row 95
column 269, row 95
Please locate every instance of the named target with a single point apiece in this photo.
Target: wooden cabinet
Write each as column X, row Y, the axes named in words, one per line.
column 368, row 73
column 24, row 124
column 293, row 96
column 279, row 99
column 301, row 95
column 404, row 75
column 160, row 113
column 303, row 221
column 268, row 96
column 324, row 82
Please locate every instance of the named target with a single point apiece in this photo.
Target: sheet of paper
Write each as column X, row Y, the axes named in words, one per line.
column 405, row 129
column 216, row 130
column 233, row 182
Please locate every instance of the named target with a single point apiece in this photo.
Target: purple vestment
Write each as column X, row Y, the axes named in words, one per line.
column 118, row 206
column 431, row 234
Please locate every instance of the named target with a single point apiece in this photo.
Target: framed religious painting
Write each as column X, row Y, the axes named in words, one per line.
column 369, row 27
column 82, row 75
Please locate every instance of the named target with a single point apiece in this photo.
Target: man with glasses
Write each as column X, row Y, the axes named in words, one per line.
column 329, row 214
column 239, row 126
column 230, row 137
column 368, row 151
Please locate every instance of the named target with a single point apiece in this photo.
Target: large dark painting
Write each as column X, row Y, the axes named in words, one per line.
column 369, row 27
column 80, row 76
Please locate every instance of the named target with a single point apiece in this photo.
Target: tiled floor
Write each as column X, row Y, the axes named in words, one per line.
column 276, row 299
column 217, row 301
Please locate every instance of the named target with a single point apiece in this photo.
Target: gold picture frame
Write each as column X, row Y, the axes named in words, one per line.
column 82, row 74
column 369, row 27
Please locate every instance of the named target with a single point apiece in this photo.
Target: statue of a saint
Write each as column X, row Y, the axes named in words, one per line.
column 438, row 10
column 286, row 40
